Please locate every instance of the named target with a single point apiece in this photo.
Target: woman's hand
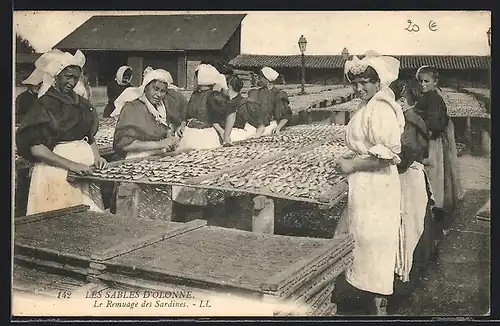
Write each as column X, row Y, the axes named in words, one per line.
column 180, row 131
column 80, row 169
column 345, row 166
column 169, row 143
column 100, row 162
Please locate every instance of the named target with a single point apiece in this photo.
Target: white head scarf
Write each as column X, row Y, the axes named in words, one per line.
column 119, row 75
column 270, row 74
column 386, row 67
column 170, row 80
column 208, row 75
column 52, row 63
column 36, row 78
column 134, row 93
column 81, row 89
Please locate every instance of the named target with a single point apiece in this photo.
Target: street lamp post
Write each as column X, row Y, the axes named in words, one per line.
column 302, row 47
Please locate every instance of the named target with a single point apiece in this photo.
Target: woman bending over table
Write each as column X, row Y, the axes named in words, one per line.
column 206, row 111
column 58, row 135
column 245, row 118
column 273, row 101
column 142, row 128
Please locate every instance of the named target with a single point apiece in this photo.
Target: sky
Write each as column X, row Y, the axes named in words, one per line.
column 327, row 32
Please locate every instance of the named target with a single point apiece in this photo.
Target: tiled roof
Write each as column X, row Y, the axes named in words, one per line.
column 153, row 32
column 337, row 62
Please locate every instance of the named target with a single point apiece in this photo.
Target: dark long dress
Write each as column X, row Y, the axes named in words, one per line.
column 113, row 91
column 443, row 169
column 135, row 123
column 274, row 102
column 65, row 123
column 246, row 112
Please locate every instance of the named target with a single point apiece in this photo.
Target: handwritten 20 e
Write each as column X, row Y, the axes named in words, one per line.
column 140, row 294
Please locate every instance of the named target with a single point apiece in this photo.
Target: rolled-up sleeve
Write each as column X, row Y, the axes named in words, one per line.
column 125, row 131
column 35, row 129
column 385, row 133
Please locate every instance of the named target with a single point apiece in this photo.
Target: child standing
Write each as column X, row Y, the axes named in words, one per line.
column 442, row 166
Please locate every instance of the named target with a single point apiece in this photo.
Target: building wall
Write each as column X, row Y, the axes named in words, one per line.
column 194, row 58
column 233, row 46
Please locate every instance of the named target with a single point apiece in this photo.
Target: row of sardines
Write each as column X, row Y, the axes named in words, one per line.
column 297, row 163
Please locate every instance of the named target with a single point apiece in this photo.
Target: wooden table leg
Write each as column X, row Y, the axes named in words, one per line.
column 468, row 134
column 340, row 118
column 263, row 216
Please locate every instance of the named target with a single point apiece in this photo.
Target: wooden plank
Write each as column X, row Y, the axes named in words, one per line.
column 277, row 281
column 135, row 244
column 51, row 214
column 335, row 260
column 140, row 283
column 57, row 253
column 336, row 193
column 51, row 264
column 314, row 285
column 254, row 192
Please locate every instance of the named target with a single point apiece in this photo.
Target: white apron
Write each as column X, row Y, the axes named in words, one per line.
column 49, row 189
column 372, row 215
column 238, row 134
column 269, row 129
column 207, row 138
column 414, row 199
column 193, row 138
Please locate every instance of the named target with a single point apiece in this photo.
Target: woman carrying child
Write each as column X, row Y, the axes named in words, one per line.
column 442, row 167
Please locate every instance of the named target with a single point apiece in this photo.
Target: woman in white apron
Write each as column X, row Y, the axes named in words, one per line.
column 142, row 128
column 245, row 119
column 58, row 134
column 205, row 108
column 206, row 113
column 416, row 194
column 273, row 101
column 372, row 215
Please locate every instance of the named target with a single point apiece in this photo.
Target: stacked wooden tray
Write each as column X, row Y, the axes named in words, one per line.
column 295, row 270
column 71, row 239
column 131, row 253
column 306, row 176
column 301, row 102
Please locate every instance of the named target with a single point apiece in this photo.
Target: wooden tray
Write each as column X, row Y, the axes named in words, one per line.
column 74, row 237
column 228, row 258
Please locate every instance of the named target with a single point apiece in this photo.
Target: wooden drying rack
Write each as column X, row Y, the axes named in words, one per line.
column 329, row 198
